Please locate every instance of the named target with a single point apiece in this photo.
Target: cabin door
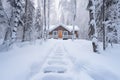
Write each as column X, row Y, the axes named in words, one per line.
column 60, row 35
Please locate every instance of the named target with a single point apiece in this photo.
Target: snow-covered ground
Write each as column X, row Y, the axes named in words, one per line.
column 60, row 60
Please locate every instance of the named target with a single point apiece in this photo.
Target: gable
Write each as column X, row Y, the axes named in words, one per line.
column 67, row 28
column 60, row 28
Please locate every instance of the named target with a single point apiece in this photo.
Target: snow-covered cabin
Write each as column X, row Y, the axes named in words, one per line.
column 63, row 31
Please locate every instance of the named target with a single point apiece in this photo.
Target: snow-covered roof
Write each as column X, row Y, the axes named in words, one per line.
column 68, row 27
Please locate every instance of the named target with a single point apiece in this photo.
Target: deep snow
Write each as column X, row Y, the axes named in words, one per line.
column 24, row 62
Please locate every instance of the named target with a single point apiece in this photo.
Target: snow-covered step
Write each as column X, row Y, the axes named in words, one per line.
column 56, row 57
column 56, row 77
column 59, row 55
column 53, row 62
column 55, row 69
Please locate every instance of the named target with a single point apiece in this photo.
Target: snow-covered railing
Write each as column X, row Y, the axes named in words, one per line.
column 53, row 36
column 64, row 36
column 70, row 36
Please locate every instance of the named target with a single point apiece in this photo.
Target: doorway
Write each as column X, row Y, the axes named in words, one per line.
column 60, row 35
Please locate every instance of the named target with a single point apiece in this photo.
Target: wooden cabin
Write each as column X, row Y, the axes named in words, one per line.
column 63, row 32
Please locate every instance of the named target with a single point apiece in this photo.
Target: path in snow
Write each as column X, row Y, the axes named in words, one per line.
column 58, row 66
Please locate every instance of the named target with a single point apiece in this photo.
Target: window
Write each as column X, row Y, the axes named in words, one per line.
column 65, row 33
column 55, row 33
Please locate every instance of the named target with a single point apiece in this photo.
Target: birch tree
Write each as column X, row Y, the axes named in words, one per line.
column 93, row 27
column 17, row 21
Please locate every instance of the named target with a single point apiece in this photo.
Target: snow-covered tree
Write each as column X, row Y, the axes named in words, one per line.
column 107, row 14
column 17, row 21
column 3, row 21
column 5, row 30
column 46, row 6
column 93, row 27
column 38, row 21
column 28, row 21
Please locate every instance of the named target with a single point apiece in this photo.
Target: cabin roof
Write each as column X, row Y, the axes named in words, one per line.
column 68, row 27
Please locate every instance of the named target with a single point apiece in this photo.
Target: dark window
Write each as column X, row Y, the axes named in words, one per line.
column 55, row 33
column 65, row 32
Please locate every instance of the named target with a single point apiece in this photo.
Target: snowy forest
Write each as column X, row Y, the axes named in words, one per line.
column 27, row 20
column 104, row 21
column 59, row 39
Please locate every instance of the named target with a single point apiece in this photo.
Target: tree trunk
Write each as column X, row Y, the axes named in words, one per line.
column 104, row 36
column 94, row 47
column 25, row 21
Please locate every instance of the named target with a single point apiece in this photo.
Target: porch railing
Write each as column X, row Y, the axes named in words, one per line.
column 64, row 36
